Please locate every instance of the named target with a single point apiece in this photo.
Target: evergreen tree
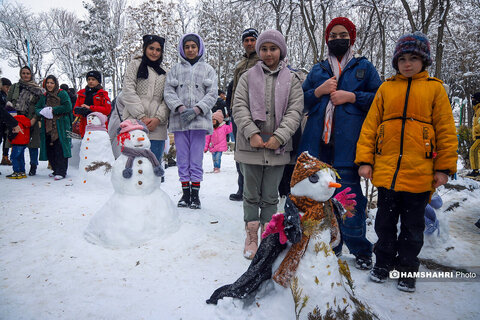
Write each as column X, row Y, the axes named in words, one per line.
column 95, row 35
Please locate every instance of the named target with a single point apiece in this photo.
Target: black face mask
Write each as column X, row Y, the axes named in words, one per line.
column 338, row 47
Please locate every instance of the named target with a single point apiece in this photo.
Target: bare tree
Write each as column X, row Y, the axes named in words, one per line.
column 63, row 31
column 22, row 35
column 443, row 14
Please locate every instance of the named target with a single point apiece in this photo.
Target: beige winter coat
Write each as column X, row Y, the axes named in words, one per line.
column 247, row 127
column 144, row 98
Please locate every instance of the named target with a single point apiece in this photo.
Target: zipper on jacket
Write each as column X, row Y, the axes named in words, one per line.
column 330, row 73
column 404, row 119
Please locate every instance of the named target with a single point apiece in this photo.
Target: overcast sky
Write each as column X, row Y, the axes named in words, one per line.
column 38, row 6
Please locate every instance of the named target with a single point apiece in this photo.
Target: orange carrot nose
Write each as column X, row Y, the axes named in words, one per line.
column 140, row 138
column 334, row 185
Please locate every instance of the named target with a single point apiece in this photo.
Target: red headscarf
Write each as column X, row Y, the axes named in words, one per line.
column 352, row 31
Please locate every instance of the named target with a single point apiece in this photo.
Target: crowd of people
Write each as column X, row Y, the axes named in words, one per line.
column 341, row 114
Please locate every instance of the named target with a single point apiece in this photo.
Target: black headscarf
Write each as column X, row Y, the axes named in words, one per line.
column 155, row 65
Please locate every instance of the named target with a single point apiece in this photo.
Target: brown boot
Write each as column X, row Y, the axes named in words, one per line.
column 6, row 161
column 251, row 242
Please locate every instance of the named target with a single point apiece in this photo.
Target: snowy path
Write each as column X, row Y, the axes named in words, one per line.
column 48, row 271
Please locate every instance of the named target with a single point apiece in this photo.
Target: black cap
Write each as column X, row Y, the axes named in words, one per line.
column 95, row 74
column 250, row 32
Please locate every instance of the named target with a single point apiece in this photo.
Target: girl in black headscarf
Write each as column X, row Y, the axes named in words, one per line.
column 142, row 93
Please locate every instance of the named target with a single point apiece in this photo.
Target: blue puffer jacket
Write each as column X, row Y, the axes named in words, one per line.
column 359, row 77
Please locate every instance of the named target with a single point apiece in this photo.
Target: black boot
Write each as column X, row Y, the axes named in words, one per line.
column 236, row 196
column 33, row 170
column 185, row 200
column 195, row 199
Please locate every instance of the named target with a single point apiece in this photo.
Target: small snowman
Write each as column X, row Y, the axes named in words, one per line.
column 139, row 210
column 96, row 156
column 320, row 283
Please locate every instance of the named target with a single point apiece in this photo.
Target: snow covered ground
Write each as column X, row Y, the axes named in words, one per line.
column 48, row 270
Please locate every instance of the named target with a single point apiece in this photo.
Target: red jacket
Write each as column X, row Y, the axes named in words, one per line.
column 22, row 138
column 101, row 103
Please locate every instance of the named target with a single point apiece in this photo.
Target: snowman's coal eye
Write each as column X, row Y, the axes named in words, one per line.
column 313, row 178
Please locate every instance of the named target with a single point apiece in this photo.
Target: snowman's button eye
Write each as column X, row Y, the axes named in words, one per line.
column 313, row 178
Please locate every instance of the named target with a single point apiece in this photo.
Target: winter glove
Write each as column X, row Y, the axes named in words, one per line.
column 127, row 173
column 47, row 112
column 158, row 171
column 276, row 226
column 83, row 111
column 345, row 198
column 188, row 115
column 291, row 221
column 9, row 106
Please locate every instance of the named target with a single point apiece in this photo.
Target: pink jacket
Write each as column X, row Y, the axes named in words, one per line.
column 217, row 142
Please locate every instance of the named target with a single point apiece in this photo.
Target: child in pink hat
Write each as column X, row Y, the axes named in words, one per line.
column 216, row 142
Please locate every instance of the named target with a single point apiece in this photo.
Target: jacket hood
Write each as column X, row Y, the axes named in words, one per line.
column 201, row 49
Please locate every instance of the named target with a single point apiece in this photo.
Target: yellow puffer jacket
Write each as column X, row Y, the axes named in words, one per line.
column 476, row 122
column 408, row 134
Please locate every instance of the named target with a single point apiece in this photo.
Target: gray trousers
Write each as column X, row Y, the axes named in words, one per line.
column 260, row 191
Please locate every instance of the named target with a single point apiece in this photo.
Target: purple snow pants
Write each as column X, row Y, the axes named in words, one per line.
column 189, row 145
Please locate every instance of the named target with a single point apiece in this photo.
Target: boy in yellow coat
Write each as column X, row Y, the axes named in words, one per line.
column 407, row 147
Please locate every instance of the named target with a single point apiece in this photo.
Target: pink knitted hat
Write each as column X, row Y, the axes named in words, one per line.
column 132, row 124
column 275, row 37
column 218, row 115
column 103, row 118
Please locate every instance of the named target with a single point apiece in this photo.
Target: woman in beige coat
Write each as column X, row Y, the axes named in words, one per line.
column 142, row 92
column 267, row 109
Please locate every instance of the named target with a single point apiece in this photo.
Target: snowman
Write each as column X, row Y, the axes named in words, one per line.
column 96, row 156
column 139, row 210
column 320, row 283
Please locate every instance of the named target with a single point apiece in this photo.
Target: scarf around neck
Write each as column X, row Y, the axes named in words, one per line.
column 132, row 153
column 143, row 68
column 52, row 100
column 90, row 93
column 318, row 211
column 337, row 67
column 95, row 127
column 256, row 93
column 26, row 93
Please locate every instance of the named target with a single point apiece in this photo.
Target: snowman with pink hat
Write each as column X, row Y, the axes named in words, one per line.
column 139, row 210
column 96, row 156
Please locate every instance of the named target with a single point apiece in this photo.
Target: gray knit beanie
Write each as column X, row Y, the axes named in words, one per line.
column 275, row 37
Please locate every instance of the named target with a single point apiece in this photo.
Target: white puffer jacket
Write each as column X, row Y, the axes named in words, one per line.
column 190, row 86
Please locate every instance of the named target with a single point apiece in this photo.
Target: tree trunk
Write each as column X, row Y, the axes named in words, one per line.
column 441, row 27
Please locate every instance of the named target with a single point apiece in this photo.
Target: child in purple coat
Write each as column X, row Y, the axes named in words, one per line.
column 216, row 143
